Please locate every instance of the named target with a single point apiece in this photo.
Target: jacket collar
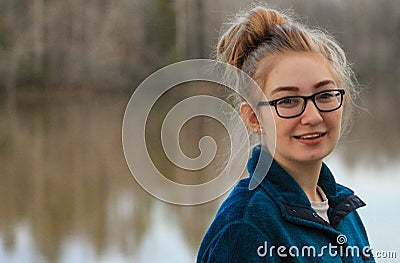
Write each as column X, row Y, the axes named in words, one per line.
column 288, row 188
column 288, row 193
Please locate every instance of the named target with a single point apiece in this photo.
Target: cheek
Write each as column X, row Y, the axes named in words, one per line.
column 286, row 127
column 267, row 120
column 335, row 119
column 333, row 123
column 273, row 124
column 269, row 125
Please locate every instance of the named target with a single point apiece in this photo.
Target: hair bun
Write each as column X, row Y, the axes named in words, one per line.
column 247, row 33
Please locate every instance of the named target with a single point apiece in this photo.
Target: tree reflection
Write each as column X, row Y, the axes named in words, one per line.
column 61, row 166
column 63, row 174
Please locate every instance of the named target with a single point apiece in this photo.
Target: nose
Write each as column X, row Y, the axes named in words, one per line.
column 311, row 115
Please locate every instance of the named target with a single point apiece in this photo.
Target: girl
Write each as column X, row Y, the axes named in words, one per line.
column 297, row 213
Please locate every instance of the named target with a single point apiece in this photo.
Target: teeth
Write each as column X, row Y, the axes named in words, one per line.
column 310, row 136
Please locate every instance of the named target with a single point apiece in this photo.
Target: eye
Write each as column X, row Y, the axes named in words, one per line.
column 288, row 102
column 327, row 96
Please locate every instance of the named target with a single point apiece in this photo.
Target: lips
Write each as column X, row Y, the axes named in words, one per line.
column 311, row 139
column 310, row 136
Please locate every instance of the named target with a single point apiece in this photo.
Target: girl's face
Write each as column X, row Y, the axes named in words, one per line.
column 313, row 135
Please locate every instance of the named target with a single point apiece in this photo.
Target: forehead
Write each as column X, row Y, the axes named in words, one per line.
column 300, row 70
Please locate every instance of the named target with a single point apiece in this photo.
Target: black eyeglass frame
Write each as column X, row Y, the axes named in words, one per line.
column 305, row 98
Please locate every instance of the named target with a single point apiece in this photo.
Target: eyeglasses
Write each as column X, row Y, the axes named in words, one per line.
column 293, row 106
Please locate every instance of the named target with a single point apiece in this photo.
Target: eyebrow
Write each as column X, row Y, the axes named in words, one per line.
column 291, row 88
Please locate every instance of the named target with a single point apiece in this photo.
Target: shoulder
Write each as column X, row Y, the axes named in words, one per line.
column 237, row 230
column 238, row 241
column 246, row 205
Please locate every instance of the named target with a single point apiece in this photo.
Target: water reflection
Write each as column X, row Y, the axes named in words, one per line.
column 68, row 196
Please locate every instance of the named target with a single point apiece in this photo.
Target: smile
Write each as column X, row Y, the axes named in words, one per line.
column 310, row 136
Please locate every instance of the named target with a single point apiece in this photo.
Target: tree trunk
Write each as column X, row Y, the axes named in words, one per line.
column 38, row 35
column 181, row 23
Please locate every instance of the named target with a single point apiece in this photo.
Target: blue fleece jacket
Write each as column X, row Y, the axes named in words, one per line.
column 276, row 223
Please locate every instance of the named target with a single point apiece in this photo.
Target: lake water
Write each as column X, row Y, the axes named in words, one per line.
column 68, row 196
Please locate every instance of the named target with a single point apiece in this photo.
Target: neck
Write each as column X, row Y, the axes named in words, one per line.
column 306, row 175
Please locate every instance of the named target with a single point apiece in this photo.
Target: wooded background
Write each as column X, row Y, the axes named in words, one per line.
column 116, row 44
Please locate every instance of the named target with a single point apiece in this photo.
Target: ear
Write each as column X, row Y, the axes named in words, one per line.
column 249, row 117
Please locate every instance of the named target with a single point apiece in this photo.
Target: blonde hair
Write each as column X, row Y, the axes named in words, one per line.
column 262, row 32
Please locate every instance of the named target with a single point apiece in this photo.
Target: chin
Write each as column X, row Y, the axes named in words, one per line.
column 314, row 157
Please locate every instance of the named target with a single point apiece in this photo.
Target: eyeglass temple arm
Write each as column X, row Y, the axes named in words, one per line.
column 265, row 103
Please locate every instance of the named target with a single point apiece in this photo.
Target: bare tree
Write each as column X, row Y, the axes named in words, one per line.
column 38, row 34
